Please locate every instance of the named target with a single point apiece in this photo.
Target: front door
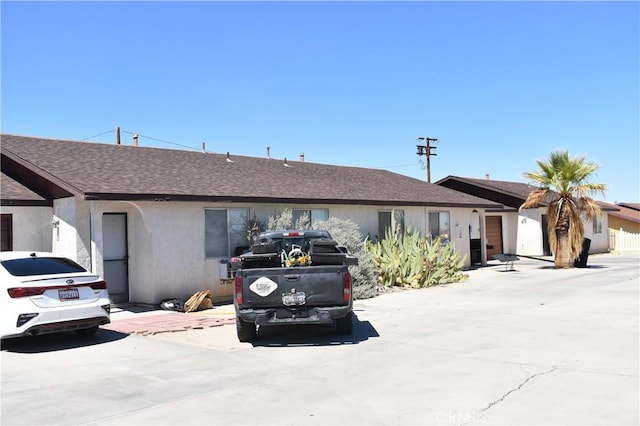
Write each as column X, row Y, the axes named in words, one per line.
column 494, row 236
column 116, row 256
column 546, row 248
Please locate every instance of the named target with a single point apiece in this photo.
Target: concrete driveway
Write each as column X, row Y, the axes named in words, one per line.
column 530, row 346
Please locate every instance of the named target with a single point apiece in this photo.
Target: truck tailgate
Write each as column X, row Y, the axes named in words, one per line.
column 322, row 285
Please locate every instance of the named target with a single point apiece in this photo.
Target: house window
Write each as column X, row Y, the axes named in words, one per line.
column 439, row 224
column 306, row 217
column 225, row 231
column 6, row 232
column 384, row 221
column 597, row 225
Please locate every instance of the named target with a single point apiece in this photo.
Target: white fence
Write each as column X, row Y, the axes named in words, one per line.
column 624, row 241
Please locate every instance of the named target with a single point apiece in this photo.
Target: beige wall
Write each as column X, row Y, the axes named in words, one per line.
column 616, row 223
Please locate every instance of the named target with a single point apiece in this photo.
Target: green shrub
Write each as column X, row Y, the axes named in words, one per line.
column 347, row 234
column 407, row 259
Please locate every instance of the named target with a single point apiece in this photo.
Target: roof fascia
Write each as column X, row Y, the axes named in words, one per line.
column 34, row 178
column 26, row 203
column 323, row 201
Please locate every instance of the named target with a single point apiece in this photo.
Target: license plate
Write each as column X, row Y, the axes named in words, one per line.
column 68, row 294
column 293, row 299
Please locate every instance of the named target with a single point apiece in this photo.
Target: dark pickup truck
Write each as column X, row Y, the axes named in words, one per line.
column 292, row 277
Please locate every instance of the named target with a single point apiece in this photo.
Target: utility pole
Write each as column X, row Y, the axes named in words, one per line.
column 426, row 150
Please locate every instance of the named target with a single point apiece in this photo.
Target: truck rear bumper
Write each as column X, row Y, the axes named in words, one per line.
column 312, row 316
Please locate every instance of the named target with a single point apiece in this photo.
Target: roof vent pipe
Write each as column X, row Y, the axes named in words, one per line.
column 487, row 176
column 229, row 160
column 285, row 162
column 302, row 156
column 135, row 140
column 268, row 152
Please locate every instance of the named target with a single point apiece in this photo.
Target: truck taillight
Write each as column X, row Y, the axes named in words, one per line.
column 346, row 287
column 238, row 290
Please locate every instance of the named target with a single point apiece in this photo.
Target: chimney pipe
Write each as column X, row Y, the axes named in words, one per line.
column 302, row 156
column 268, row 152
column 118, row 135
column 487, row 176
column 135, row 140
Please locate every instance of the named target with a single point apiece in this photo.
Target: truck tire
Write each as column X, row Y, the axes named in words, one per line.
column 344, row 325
column 246, row 330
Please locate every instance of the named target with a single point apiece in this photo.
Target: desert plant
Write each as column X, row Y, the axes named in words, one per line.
column 284, row 220
column 565, row 184
column 347, row 234
column 253, row 227
column 407, row 259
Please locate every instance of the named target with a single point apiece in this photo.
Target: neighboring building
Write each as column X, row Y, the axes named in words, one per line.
column 160, row 223
column 624, row 226
column 626, row 218
column 25, row 218
column 514, row 230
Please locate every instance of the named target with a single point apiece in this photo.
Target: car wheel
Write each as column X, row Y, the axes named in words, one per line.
column 86, row 332
column 345, row 325
column 246, row 330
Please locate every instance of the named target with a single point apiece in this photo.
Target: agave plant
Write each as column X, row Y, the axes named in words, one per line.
column 408, row 259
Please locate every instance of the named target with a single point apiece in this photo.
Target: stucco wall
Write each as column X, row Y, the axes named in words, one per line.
column 166, row 241
column 529, row 232
column 72, row 237
column 31, row 227
column 529, row 238
column 617, row 223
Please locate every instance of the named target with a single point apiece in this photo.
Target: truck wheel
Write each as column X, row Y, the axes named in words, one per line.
column 345, row 325
column 246, row 330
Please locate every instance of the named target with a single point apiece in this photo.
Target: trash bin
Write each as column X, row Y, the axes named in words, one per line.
column 581, row 261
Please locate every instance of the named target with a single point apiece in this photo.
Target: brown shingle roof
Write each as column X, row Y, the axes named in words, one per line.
column 511, row 194
column 621, row 211
column 633, row 206
column 103, row 171
column 15, row 194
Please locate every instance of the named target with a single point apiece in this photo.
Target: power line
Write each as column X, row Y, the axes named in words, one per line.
column 161, row 140
column 99, row 134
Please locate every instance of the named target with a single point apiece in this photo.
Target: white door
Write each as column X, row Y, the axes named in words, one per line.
column 116, row 256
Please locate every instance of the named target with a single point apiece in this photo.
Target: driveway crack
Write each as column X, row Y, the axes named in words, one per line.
column 520, row 386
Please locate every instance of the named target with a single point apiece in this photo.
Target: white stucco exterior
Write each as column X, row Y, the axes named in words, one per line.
column 166, row 240
column 530, row 233
column 32, row 228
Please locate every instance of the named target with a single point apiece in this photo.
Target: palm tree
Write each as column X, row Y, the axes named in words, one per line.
column 565, row 185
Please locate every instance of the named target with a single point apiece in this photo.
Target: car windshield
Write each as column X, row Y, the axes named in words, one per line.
column 41, row 266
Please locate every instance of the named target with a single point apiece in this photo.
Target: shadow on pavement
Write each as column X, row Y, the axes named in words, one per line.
column 59, row 341
column 313, row 335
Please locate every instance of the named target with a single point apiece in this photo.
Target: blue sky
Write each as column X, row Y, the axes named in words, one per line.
column 500, row 84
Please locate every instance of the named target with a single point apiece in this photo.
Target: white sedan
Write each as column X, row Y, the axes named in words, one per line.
column 44, row 293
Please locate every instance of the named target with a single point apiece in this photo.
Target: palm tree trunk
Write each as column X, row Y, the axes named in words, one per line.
column 562, row 259
column 562, row 255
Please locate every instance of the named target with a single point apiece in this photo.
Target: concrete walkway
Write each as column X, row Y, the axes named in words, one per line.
column 144, row 320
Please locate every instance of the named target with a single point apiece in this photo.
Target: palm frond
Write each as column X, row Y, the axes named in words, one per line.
column 535, row 198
